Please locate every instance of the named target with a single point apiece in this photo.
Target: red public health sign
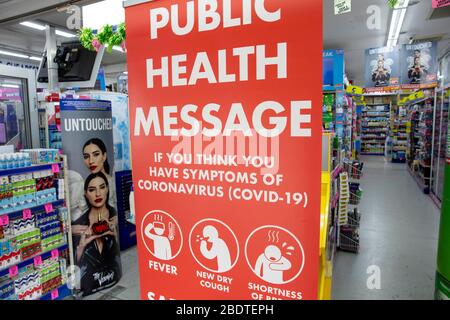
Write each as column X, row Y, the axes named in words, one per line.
column 225, row 111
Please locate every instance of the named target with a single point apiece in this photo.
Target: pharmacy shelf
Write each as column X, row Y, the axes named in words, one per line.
column 34, row 168
column 19, row 213
column 63, row 291
column 420, row 182
column 45, row 255
column 372, row 154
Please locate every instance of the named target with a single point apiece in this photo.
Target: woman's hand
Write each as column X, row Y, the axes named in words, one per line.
column 113, row 221
column 86, row 238
column 78, row 230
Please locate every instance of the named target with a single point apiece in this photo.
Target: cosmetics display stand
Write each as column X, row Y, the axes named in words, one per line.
column 34, row 232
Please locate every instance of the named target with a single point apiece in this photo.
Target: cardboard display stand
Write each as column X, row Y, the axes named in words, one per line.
column 225, row 113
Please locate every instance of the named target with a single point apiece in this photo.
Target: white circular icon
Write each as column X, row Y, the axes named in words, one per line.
column 214, row 245
column 274, row 254
column 161, row 235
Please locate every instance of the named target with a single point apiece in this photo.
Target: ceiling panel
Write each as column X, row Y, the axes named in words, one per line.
column 347, row 31
column 22, row 39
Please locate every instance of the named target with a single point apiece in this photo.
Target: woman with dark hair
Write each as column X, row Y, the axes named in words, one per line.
column 97, row 250
column 417, row 71
column 96, row 157
column 381, row 75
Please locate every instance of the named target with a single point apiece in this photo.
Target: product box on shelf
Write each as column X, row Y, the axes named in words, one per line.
column 9, row 258
column 28, row 286
column 7, row 288
column 28, row 232
column 22, row 225
column 29, row 238
column 31, row 250
column 52, row 242
column 46, row 196
column 42, row 156
column 51, row 276
column 9, row 252
column 14, row 160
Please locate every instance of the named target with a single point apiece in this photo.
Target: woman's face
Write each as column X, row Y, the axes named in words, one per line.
column 94, row 158
column 417, row 61
column 97, row 192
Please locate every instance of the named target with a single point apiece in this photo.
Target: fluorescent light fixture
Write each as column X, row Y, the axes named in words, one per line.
column 7, row 85
column 36, row 58
column 41, row 27
column 13, row 54
column 65, row 34
column 398, row 16
column 33, row 25
column 112, row 11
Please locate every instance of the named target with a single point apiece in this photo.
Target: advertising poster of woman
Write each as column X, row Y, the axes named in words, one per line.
column 87, row 130
column 419, row 65
column 382, row 69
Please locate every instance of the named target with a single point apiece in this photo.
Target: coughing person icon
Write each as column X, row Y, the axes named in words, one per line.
column 271, row 265
column 219, row 249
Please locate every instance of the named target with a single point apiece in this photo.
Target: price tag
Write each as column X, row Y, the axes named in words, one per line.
column 55, row 254
column 55, row 168
column 55, row 294
column 37, row 261
column 48, row 208
column 27, row 214
column 13, row 271
column 4, row 220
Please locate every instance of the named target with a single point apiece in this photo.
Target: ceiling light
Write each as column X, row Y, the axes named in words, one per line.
column 33, row 25
column 7, row 85
column 42, row 28
column 13, row 54
column 398, row 16
column 36, row 58
column 65, row 34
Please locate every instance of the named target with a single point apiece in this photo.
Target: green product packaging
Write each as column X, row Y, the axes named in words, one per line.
column 443, row 259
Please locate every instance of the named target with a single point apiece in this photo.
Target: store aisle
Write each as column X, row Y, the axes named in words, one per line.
column 399, row 232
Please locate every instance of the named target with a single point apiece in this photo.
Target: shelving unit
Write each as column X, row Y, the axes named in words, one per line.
column 34, row 239
column 328, row 219
column 399, row 134
column 440, row 144
column 420, row 142
column 374, row 128
column 328, row 106
column 349, row 124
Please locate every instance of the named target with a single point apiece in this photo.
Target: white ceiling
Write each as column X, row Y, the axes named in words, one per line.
column 349, row 31
column 22, row 39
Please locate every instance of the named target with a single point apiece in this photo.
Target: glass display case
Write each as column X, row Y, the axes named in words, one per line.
column 18, row 113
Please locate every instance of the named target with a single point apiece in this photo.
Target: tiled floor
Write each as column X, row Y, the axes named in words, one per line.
column 399, row 232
